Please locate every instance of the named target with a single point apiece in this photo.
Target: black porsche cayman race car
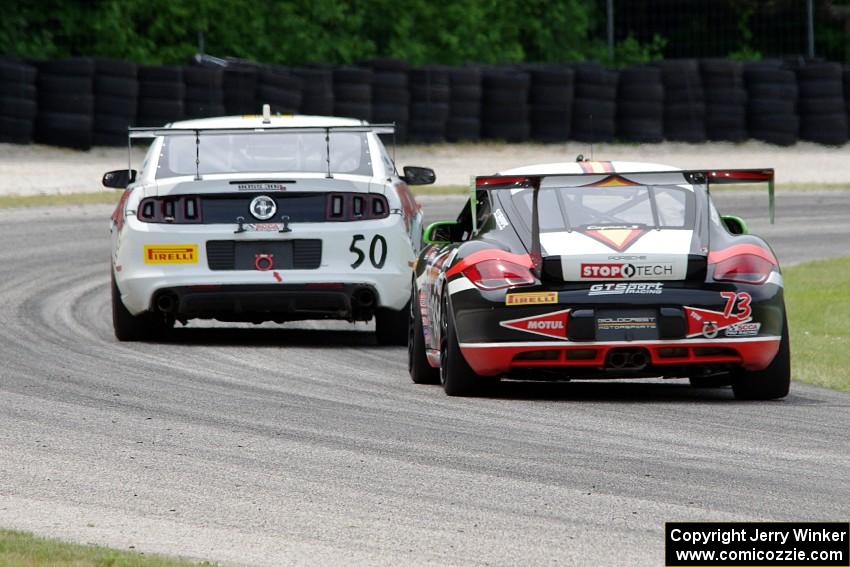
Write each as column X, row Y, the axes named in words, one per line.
column 599, row 270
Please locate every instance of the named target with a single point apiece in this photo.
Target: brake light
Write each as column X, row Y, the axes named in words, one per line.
column 497, row 274
column 350, row 207
column 181, row 209
column 743, row 268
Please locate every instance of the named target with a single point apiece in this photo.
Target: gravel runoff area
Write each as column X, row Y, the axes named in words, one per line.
column 35, row 169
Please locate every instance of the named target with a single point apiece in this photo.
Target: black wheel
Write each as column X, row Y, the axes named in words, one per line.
column 391, row 326
column 417, row 362
column 772, row 382
column 457, row 378
column 129, row 327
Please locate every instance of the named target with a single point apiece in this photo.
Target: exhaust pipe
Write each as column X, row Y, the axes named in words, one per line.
column 363, row 298
column 166, row 302
column 628, row 359
column 618, row 360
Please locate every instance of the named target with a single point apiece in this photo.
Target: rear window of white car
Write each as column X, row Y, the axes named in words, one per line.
column 265, row 153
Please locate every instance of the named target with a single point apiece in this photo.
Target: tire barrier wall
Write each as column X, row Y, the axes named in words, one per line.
column 80, row 102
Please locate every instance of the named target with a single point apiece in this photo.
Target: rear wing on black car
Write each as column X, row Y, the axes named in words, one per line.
column 705, row 177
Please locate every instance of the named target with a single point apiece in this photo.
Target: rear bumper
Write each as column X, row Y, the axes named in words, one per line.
column 269, row 302
column 492, row 359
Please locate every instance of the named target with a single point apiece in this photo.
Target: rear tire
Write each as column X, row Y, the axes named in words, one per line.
column 456, row 376
column 391, row 326
column 129, row 327
column 421, row 372
column 771, row 383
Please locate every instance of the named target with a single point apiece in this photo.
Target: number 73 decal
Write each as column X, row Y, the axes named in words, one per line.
column 377, row 251
column 708, row 323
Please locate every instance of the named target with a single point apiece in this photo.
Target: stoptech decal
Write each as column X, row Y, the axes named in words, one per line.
column 549, row 325
column 626, row 271
column 531, row 298
column 171, row 254
column 626, row 289
column 707, row 323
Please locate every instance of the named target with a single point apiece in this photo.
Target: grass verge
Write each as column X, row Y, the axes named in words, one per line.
column 817, row 296
column 103, row 197
column 23, row 549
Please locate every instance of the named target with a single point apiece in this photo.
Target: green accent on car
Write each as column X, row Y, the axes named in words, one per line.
column 738, row 219
column 429, row 230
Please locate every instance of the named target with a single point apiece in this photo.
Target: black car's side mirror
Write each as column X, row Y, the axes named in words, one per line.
column 418, row 175
column 119, row 179
column 735, row 225
column 440, row 232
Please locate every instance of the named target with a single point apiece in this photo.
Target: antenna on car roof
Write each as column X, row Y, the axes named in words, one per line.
column 328, row 151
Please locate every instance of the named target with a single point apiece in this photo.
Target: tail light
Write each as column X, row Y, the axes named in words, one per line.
column 181, row 209
column 743, row 268
column 497, row 274
column 350, row 207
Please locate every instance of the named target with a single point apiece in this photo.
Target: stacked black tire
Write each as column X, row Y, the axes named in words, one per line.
column 280, row 89
column 505, row 110
column 684, row 101
column 464, row 121
column 846, row 75
column 161, row 94
column 640, row 105
column 353, row 92
column 18, row 101
column 204, row 92
column 65, row 103
column 725, row 100
column 772, row 104
column 390, row 94
column 430, row 94
column 823, row 114
column 240, row 88
column 551, row 98
column 116, row 98
column 595, row 104
column 317, row 90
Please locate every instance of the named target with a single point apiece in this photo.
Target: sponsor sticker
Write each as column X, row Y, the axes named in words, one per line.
column 743, row 330
column 261, row 187
column 171, row 253
column 264, row 227
column 625, row 323
column 501, row 221
column 532, row 298
column 625, row 271
column 549, row 324
column 636, row 288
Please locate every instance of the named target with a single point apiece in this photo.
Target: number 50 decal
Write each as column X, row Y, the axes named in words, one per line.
column 377, row 251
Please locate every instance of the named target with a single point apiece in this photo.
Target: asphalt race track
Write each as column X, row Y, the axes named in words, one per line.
column 309, row 444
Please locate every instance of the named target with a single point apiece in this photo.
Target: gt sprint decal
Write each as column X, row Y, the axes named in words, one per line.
column 171, row 254
column 549, row 325
column 626, row 289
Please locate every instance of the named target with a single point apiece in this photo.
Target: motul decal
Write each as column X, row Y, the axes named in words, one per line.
column 618, row 238
column 707, row 323
column 549, row 325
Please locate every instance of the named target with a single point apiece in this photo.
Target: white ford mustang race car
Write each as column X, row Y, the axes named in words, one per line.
column 263, row 218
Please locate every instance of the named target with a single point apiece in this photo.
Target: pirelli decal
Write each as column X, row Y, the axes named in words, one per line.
column 532, row 298
column 171, row 253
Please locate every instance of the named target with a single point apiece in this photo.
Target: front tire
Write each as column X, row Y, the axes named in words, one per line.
column 129, row 327
column 391, row 326
column 771, row 383
column 420, row 370
column 456, row 375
